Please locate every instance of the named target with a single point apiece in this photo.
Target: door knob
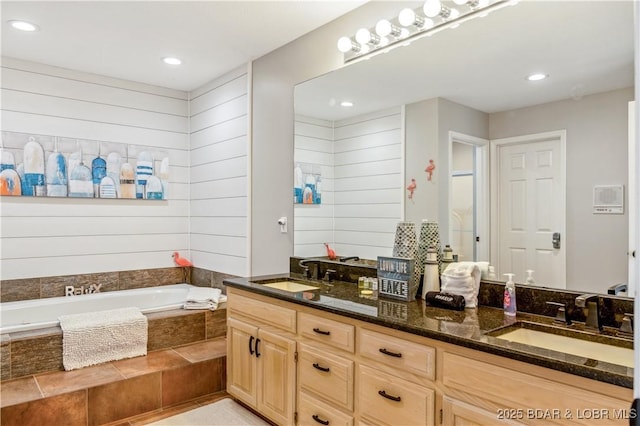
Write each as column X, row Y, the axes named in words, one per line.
column 555, row 240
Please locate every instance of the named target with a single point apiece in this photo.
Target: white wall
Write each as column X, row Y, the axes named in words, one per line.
column 52, row 236
column 368, row 183
column 314, row 223
column 219, row 157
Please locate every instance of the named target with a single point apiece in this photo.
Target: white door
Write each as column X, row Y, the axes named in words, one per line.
column 633, row 214
column 530, row 206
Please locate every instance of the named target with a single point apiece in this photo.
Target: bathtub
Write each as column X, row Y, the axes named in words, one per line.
column 41, row 313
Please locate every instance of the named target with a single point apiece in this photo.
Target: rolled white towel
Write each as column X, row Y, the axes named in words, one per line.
column 204, row 298
column 462, row 278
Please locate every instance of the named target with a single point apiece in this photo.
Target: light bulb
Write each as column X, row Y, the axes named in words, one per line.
column 345, row 44
column 537, row 77
column 432, row 8
column 383, row 28
column 454, row 13
column 407, row 17
column 363, row 36
column 460, row 2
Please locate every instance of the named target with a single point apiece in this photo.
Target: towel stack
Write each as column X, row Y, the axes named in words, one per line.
column 204, row 298
column 462, row 278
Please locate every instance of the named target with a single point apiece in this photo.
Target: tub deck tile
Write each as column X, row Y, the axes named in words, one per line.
column 19, row 390
column 68, row 381
column 153, row 362
column 203, row 351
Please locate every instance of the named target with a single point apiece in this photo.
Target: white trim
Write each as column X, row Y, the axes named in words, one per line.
column 249, row 260
column 495, row 202
column 403, row 142
column 482, row 188
column 632, row 279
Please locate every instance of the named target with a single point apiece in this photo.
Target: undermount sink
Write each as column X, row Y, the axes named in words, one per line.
column 287, row 284
column 592, row 346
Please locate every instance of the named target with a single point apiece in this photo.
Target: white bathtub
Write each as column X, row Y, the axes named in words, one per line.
column 41, row 313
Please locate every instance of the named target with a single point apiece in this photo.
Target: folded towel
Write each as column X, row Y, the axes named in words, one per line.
column 462, row 278
column 96, row 337
column 204, row 298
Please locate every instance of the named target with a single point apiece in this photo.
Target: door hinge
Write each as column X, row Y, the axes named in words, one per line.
column 441, row 416
column 295, row 417
column 295, row 356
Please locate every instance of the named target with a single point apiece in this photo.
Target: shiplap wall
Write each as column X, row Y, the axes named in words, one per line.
column 368, row 183
column 314, row 223
column 53, row 236
column 362, row 194
column 220, row 162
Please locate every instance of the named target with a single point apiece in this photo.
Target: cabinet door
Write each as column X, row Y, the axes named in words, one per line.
column 275, row 356
column 313, row 412
column 241, row 363
column 458, row 413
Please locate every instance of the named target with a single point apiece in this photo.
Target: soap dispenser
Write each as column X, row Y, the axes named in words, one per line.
column 510, row 296
column 530, row 280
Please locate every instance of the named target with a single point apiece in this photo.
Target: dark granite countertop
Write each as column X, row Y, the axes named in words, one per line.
column 471, row 328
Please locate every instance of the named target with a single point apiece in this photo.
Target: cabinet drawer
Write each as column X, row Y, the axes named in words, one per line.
column 333, row 333
column 398, row 353
column 313, row 412
column 264, row 312
column 328, row 376
column 386, row 399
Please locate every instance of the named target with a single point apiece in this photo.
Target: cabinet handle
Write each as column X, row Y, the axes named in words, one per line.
column 318, row 367
column 317, row 330
column 391, row 397
column 251, row 339
column 319, row 420
column 386, row 352
column 257, row 353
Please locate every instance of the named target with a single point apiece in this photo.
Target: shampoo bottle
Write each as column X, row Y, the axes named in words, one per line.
column 510, row 296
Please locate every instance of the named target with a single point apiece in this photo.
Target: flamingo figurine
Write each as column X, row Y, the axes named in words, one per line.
column 430, row 168
column 331, row 253
column 185, row 264
column 412, row 187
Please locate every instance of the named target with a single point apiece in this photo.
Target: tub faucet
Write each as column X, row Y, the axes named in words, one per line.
column 617, row 288
column 590, row 301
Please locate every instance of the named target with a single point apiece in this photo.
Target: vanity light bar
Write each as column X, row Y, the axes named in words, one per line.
column 412, row 24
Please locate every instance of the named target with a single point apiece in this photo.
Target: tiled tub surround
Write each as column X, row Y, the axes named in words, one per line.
column 32, row 352
column 38, row 288
column 531, row 299
column 118, row 390
column 466, row 328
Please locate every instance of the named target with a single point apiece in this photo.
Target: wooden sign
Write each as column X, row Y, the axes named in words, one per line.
column 396, row 278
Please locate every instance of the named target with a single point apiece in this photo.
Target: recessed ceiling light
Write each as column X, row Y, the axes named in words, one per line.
column 346, row 104
column 23, row 26
column 537, row 76
column 171, row 61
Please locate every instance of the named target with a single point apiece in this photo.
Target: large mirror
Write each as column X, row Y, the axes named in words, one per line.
column 455, row 113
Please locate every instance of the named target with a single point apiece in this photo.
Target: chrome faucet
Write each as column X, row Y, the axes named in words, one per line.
column 590, row 301
column 306, row 272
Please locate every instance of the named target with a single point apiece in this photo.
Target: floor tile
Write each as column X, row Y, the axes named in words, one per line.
column 20, row 390
column 203, row 351
column 154, row 361
column 67, row 381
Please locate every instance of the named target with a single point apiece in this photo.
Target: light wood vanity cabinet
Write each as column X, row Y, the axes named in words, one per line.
column 261, row 357
column 352, row 372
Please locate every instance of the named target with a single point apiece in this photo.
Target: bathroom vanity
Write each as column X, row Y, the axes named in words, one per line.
column 330, row 354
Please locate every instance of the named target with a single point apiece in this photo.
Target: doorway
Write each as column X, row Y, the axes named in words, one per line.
column 528, row 179
column 468, row 197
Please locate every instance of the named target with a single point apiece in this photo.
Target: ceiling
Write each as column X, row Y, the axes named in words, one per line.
column 585, row 47
column 128, row 39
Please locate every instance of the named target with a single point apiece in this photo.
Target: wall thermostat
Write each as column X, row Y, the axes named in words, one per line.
column 608, row 199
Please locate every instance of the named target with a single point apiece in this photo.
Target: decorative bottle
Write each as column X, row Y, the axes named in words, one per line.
column 510, row 296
